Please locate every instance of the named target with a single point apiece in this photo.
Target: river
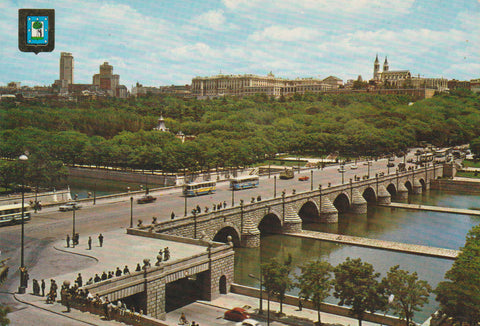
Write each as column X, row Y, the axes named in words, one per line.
column 417, row 227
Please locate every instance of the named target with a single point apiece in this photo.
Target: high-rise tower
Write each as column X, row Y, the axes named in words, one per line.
column 66, row 67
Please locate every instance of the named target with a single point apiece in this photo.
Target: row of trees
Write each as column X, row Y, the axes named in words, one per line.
column 355, row 284
column 232, row 131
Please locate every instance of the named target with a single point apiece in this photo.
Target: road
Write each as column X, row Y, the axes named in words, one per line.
column 110, row 214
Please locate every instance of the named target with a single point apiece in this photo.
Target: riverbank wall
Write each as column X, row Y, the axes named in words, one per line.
column 325, row 307
column 457, row 184
column 47, row 197
column 109, row 174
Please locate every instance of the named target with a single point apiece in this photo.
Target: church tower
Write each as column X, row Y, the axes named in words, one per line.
column 385, row 64
column 376, row 68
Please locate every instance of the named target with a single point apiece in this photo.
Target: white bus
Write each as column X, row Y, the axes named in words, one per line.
column 244, row 182
column 11, row 214
column 199, row 188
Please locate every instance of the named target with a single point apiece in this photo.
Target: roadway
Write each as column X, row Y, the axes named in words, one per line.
column 50, row 225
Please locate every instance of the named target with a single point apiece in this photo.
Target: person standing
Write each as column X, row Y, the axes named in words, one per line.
column 79, row 280
column 89, row 243
column 100, row 240
column 68, row 241
column 172, row 216
column 43, row 288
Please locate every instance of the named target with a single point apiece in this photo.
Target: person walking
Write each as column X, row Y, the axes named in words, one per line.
column 89, row 243
column 43, row 288
column 68, row 241
column 100, row 240
column 172, row 216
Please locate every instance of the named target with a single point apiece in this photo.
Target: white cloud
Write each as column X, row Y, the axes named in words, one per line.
column 213, row 19
column 197, row 51
column 282, row 33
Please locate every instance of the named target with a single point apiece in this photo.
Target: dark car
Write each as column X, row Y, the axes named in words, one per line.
column 236, row 314
column 390, row 164
column 146, row 199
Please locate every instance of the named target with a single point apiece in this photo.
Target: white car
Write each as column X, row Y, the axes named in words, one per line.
column 69, row 207
column 353, row 167
column 249, row 322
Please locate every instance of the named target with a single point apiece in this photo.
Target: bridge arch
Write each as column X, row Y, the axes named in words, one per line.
column 369, row 195
column 409, row 186
column 392, row 190
column 309, row 211
column 225, row 231
column 342, row 203
column 424, row 185
column 270, row 223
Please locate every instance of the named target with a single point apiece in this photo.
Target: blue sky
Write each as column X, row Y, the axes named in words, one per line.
column 164, row 42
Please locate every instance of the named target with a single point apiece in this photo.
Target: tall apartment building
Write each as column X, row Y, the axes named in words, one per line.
column 66, row 67
column 106, row 80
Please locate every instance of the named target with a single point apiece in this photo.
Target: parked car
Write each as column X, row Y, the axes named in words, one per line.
column 69, row 206
column 146, row 199
column 303, row 178
column 236, row 314
column 249, row 322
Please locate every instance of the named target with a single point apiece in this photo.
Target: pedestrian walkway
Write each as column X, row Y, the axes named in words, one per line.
column 381, row 244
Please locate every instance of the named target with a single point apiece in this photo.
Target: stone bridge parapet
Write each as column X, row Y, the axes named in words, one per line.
column 283, row 214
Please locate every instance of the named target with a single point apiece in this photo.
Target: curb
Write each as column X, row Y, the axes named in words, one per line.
column 76, row 253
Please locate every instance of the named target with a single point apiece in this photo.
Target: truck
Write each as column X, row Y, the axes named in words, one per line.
column 286, row 174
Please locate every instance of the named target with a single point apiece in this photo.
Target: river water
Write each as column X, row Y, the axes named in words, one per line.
column 417, row 227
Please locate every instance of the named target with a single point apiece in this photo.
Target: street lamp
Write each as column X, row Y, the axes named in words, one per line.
column 23, row 270
column 368, row 164
column 131, row 212
column 233, row 194
column 274, row 186
column 73, row 231
column 311, row 180
column 260, row 309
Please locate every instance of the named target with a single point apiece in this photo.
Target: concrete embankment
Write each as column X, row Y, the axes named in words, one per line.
column 434, row 208
column 379, row 244
column 457, row 184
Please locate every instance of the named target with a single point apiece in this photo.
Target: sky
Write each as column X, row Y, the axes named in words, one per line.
column 165, row 42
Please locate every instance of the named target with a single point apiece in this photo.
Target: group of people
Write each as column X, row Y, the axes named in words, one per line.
column 105, row 276
column 40, row 287
column 76, row 238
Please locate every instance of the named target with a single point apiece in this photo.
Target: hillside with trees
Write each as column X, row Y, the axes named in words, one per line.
column 232, row 131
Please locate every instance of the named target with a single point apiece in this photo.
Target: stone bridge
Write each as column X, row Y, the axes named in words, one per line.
column 285, row 214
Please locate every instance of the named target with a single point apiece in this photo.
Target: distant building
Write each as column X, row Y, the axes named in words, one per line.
column 456, row 84
column 179, row 90
column 248, row 84
column 66, row 67
column 161, row 125
column 109, row 82
column 403, row 78
column 475, row 85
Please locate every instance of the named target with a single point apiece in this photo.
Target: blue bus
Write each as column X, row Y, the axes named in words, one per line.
column 199, row 188
column 11, row 214
column 244, row 182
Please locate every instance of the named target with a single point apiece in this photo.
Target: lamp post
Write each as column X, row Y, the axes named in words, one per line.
column 23, row 270
column 73, row 231
column 260, row 309
column 274, row 186
column 311, row 180
column 185, row 204
column 131, row 212
column 95, row 193
column 368, row 173
column 233, row 194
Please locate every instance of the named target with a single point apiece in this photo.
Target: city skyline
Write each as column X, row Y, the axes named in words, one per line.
column 158, row 43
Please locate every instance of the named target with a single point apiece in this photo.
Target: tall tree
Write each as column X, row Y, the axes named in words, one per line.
column 315, row 283
column 459, row 295
column 356, row 285
column 276, row 278
column 409, row 292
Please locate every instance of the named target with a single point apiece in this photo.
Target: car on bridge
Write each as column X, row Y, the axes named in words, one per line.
column 250, row 322
column 146, row 199
column 69, row 207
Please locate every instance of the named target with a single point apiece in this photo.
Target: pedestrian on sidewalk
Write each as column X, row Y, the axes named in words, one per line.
column 79, row 280
column 172, row 216
column 43, row 288
column 100, row 240
column 68, row 241
column 89, row 243
column 126, row 270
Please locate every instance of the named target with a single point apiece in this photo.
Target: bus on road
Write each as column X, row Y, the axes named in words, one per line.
column 11, row 214
column 244, row 182
column 199, row 188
